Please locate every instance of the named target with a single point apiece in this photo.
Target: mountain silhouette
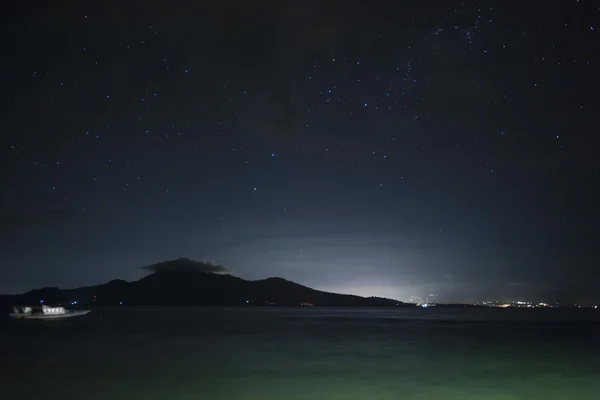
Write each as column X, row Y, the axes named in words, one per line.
column 187, row 282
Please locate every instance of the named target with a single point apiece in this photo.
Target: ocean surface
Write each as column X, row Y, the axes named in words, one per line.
column 308, row 353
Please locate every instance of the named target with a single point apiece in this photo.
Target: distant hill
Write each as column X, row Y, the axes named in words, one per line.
column 188, row 282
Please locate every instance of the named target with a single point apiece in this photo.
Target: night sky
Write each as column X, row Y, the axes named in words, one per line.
column 389, row 148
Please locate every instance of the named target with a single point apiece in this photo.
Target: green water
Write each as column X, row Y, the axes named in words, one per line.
column 304, row 354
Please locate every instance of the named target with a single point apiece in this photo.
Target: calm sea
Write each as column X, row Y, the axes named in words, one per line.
column 271, row 353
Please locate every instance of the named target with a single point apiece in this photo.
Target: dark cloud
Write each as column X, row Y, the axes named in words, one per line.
column 185, row 264
column 56, row 215
column 12, row 221
column 48, row 217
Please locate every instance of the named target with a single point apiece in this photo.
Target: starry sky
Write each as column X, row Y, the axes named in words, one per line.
column 388, row 148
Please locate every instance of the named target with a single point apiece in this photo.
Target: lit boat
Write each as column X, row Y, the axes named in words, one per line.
column 45, row 312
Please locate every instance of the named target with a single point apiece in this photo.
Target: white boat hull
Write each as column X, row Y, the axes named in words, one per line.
column 69, row 314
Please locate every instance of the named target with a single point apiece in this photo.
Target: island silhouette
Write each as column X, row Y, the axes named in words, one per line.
column 185, row 282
